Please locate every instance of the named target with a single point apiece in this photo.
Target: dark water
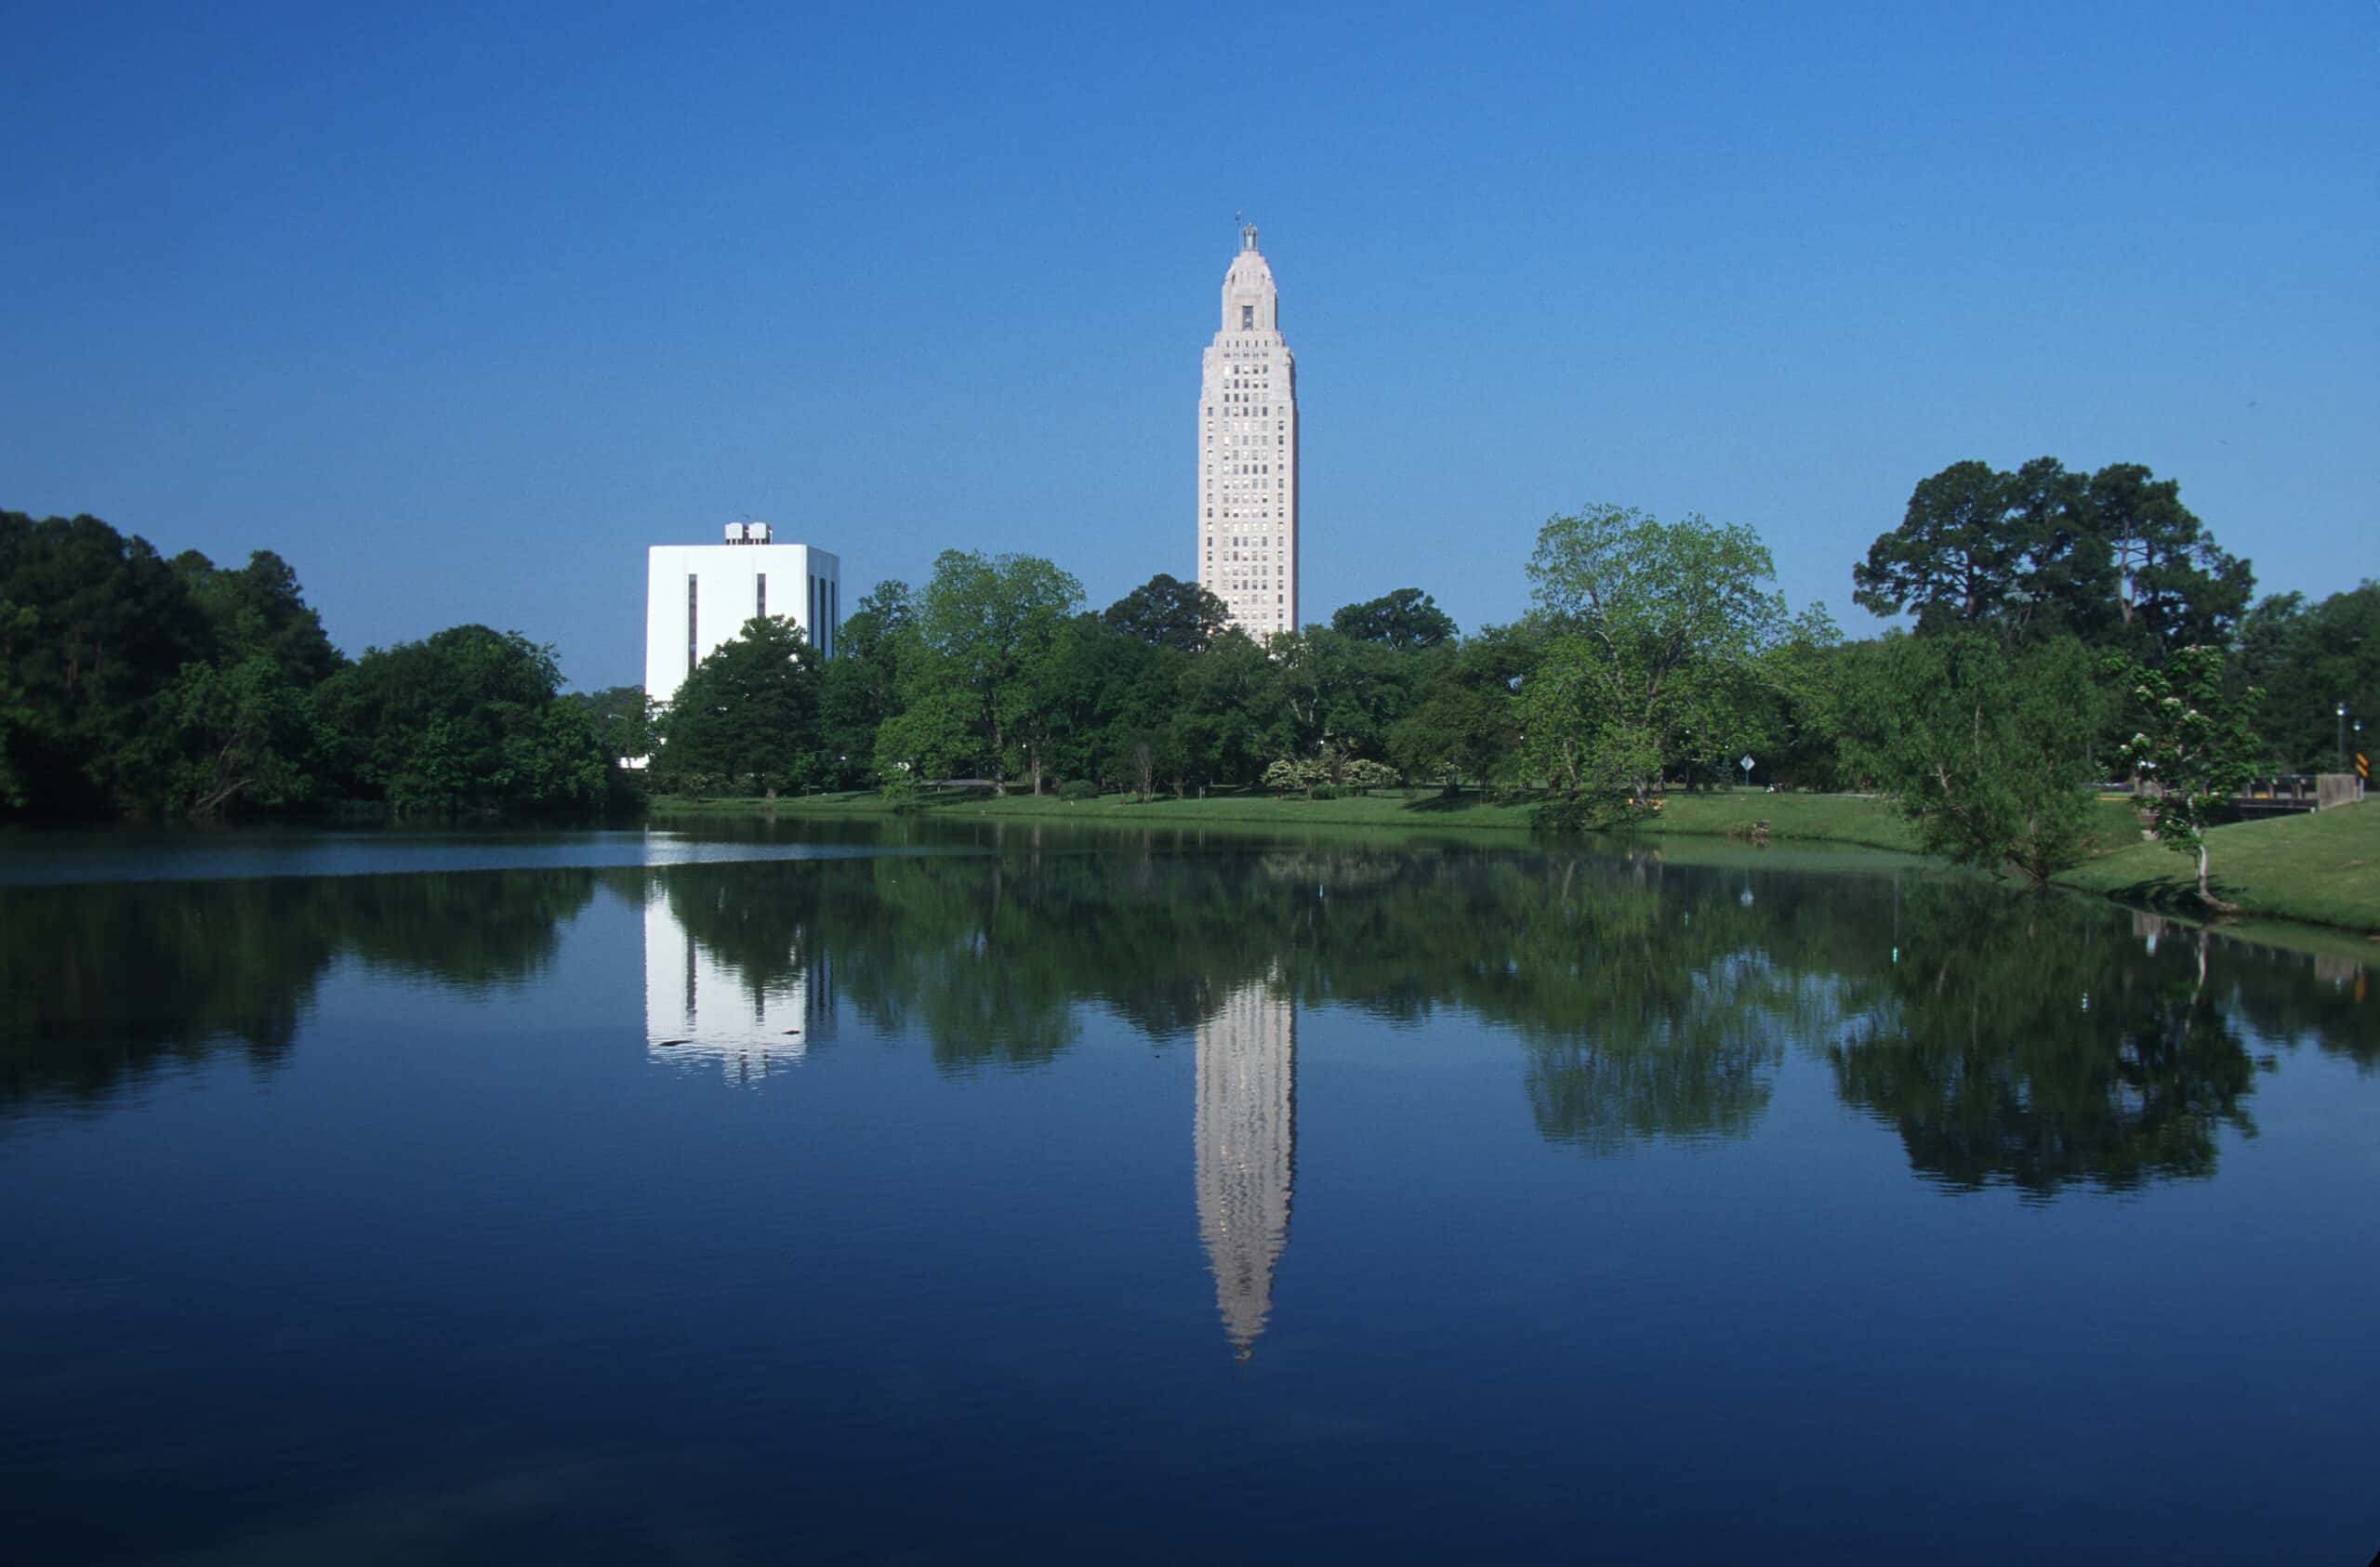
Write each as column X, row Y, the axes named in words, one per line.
column 647, row 1198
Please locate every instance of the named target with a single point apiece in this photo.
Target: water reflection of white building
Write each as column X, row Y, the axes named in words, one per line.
column 1245, row 1131
column 701, row 1012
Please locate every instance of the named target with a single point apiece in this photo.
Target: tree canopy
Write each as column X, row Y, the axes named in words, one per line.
column 1406, row 619
column 1165, row 613
column 747, row 720
column 2113, row 558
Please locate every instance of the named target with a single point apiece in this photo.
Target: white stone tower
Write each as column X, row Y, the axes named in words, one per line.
column 1247, row 453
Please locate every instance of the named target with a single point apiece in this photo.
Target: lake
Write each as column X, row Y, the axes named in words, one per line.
column 925, row 1193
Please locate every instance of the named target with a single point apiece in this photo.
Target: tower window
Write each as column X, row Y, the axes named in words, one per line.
column 1248, row 318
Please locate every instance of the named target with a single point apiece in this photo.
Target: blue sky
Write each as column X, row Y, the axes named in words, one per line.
column 460, row 309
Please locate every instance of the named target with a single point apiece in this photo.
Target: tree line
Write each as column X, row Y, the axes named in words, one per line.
column 2057, row 621
column 2053, row 616
column 134, row 684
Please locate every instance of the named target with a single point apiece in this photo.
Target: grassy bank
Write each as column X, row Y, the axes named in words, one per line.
column 1823, row 818
column 2323, row 868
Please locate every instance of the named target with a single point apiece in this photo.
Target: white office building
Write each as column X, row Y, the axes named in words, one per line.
column 698, row 596
column 1247, row 453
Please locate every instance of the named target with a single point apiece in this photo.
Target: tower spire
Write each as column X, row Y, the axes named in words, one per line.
column 1248, row 452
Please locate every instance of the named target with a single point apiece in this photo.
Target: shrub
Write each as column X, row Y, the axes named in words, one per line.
column 1079, row 789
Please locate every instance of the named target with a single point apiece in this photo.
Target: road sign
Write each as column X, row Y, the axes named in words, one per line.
column 2363, row 767
column 1745, row 765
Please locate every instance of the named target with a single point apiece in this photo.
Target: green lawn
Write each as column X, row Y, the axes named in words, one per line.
column 2323, row 868
column 1827, row 818
column 1410, row 810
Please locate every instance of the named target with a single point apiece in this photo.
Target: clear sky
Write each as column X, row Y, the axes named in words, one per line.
column 460, row 309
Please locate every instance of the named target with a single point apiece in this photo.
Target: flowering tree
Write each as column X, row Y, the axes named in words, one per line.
column 2194, row 744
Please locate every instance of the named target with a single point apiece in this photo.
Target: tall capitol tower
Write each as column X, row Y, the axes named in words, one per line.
column 1247, row 453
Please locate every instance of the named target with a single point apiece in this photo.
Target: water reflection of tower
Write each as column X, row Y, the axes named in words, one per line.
column 1245, row 1131
column 700, row 1010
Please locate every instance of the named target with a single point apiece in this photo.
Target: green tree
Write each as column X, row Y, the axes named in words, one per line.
column 459, row 721
column 621, row 717
column 1657, row 628
column 1166, row 613
column 2308, row 659
column 258, row 611
column 983, row 621
column 241, row 725
column 19, row 716
column 749, row 713
column 2113, row 558
column 1231, row 710
column 1986, row 747
column 100, row 632
column 245, row 733
column 2175, row 588
column 932, row 737
column 1408, row 620
column 861, row 686
column 1343, row 692
column 1980, row 547
column 2193, row 751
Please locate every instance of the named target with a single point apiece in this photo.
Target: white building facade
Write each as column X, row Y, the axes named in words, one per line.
column 698, row 596
column 1247, row 453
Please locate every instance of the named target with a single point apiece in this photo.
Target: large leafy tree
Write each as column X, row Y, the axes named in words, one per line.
column 1980, row 547
column 1660, row 627
column 1406, row 619
column 2174, row 587
column 1342, row 692
column 1167, row 613
column 982, row 623
column 243, row 723
column 97, row 630
column 1465, row 722
column 1988, row 747
column 1232, row 713
column 2114, row 558
column 244, row 733
column 747, row 717
column 463, row 720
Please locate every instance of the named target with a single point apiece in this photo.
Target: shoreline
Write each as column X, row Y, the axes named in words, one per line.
column 2318, row 874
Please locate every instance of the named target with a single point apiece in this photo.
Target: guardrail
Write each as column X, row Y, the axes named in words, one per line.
column 2277, row 793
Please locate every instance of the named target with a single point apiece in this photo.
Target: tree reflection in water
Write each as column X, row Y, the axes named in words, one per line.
column 106, row 982
column 2031, row 1041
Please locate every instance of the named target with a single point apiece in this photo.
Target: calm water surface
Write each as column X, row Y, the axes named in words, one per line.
column 918, row 1195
